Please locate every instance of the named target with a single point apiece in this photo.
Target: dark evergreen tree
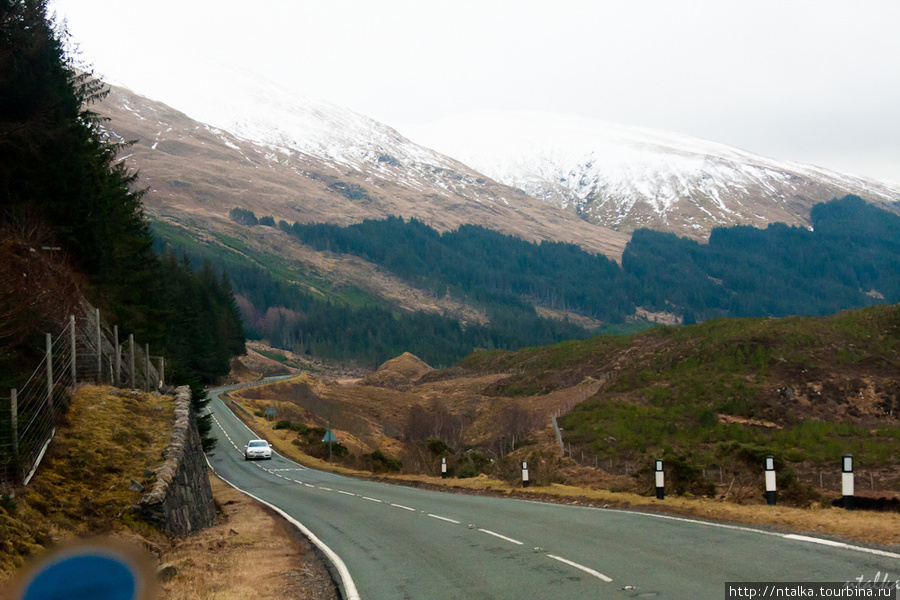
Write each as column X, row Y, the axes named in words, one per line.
column 58, row 168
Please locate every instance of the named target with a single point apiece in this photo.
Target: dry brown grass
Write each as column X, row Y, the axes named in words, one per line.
column 81, row 488
column 250, row 553
column 81, row 492
column 376, row 416
column 399, row 372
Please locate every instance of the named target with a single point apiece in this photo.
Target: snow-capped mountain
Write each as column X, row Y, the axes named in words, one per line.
column 243, row 106
column 245, row 142
column 629, row 177
column 248, row 143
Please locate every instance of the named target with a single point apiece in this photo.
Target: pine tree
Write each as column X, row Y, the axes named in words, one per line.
column 58, row 169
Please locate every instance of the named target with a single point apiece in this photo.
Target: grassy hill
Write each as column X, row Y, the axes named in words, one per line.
column 82, row 487
column 82, row 491
column 726, row 393
column 711, row 399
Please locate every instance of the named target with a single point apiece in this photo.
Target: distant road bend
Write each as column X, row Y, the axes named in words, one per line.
column 396, row 542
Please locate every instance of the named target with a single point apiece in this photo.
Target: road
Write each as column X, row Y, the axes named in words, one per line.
column 399, row 542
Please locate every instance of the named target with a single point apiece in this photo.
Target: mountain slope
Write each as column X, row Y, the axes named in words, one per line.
column 629, row 177
column 258, row 147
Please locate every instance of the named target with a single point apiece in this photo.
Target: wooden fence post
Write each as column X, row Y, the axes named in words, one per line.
column 99, row 349
column 14, row 420
column 117, row 369
column 49, row 358
column 131, row 359
column 72, row 348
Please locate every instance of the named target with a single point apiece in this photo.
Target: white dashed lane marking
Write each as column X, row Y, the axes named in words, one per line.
column 587, row 570
column 443, row 518
column 502, row 537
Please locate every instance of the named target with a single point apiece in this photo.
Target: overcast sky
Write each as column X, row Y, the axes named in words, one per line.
column 816, row 81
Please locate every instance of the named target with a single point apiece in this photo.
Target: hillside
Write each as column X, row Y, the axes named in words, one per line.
column 301, row 160
column 627, row 178
column 82, row 487
column 475, row 288
column 112, row 440
column 302, row 166
column 712, row 399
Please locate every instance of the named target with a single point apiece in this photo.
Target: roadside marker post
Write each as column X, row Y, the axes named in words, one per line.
column 443, row 467
column 771, row 490
column 525, row 473
column 660, row 481
column 329, row 439
column 847, row 490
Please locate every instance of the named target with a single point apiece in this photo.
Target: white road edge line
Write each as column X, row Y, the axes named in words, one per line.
column 371, row 499
column 404, row 507
column 346, row 580
column 443, row 518
column 805, row 538
column 346, row 493
column 707, row 523
column 502, row 537
column 587, row 570
column 787, row 536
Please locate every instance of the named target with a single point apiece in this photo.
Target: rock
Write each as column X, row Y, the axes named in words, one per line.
column 148, row 473
column 787, row 393
column 135, row 486
column 165, row 572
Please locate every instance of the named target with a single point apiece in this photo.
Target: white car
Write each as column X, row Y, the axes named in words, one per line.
column 258, row 449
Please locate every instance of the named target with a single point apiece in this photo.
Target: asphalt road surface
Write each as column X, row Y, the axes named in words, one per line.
column 397, row 542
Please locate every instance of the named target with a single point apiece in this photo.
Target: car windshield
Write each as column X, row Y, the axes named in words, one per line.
column 258, row 444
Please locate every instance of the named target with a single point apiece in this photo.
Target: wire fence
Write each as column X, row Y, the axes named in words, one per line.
column 86, row 350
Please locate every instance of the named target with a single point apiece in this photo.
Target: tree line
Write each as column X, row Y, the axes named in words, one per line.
column 847, row 259
column 366, row 330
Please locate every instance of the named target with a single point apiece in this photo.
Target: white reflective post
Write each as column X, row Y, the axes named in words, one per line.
column 847, row 490
column 771, row 490
column 660, row 481
column 443, row 467
column 524, row 474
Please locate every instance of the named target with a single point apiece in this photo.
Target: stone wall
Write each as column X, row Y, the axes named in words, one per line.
column 181, row 500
